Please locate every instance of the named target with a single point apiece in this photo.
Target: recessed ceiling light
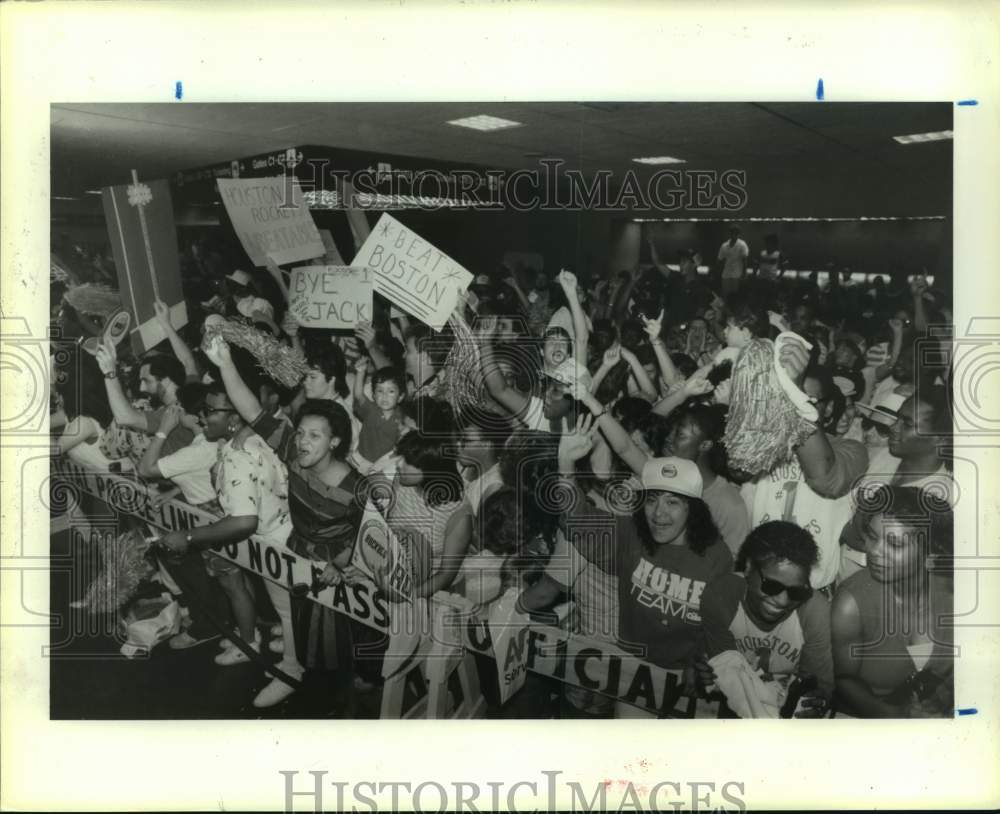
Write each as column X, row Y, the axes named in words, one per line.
column 485, row 123
column 64, row 198
column 93, row 191
column 659, row 159
column 917, row 138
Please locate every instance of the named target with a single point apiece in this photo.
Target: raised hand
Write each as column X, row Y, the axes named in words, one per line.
column 918, row 285
column 577, row 444
column 697, row 386
column 162, row 313
column 217, row 351
column 567, row 279
column 171, row 417
column 366, row 333
column 613, row 355
column 794, row 358
column 652, row 327
column 107, row 356
column 896, row 325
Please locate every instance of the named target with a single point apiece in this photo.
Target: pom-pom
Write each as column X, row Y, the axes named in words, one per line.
column 93, row 300
column 125, row 566
column 282, row 363
column 763, row 427
column 139, row 194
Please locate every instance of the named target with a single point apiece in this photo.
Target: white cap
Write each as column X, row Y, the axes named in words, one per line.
column 239, row 277
column 885, row 410
column 672, row 474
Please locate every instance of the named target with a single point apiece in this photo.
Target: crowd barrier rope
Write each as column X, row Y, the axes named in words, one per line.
column 437, row 677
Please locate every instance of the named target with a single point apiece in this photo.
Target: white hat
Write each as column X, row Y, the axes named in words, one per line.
column 239, row 277
column 675, row 475
column 885, row 410
column 572, row 375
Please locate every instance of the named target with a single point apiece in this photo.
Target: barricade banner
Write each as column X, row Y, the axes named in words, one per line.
column 570, row 658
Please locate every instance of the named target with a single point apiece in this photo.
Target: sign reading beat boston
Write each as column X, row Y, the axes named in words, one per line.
column 410, row 272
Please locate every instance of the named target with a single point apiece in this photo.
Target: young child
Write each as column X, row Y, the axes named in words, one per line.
column 381, row 416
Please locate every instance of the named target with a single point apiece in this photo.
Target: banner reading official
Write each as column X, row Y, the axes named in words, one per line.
column 410, row 272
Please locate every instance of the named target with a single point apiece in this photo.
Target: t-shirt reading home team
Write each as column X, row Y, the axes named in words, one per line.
column 659, row 589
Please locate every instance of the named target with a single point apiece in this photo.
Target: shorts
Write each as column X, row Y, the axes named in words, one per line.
column 217, row 566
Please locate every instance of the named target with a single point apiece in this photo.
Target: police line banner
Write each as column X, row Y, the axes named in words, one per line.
column 411, row 273
column 271, row 219
column 589, row 663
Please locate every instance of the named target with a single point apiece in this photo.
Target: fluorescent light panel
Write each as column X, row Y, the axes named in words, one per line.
column 93, row 191
column 659, row 159
column 64, row 198
column 485, row 123
column 918, row 138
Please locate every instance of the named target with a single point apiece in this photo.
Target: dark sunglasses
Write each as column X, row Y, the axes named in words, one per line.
column 881, row 429
column 797, row 593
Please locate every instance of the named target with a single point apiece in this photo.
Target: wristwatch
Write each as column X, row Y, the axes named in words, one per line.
column 111, row 375
column 161, row 435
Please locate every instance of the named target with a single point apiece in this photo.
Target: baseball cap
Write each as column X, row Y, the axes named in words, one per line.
column 239, row 277
column 885, row 410
column 672, row 474
column 573, row 376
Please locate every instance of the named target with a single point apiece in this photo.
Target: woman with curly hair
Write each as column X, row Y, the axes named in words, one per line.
column 663, row 548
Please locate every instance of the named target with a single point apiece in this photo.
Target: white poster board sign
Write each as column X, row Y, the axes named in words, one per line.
column 330, row 296
column 412, row 273
column 271, row 220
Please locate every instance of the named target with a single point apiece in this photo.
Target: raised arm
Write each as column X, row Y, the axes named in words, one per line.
column 178, row 345
column 697, row 385
column 582, row 334
column 917, row 287
column 829, row 471
column 275, row 272
column 360, row 368
column 149, row 466
column 618, row 439
column 125, row 414
column 885, row 369
column 242, row 397
column 366, row 336
column 496, row 385
column 661, row 267
column 641, row 377
column 654, row 330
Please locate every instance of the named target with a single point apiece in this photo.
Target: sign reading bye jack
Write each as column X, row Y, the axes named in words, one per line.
column 411, row 273
column 330, row 296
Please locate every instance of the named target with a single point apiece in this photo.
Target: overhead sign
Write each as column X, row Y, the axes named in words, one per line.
column 271, row 220
column 330, row 296
column 412, row 273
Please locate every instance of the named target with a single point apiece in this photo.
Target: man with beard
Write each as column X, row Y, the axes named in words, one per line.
column 160, row 376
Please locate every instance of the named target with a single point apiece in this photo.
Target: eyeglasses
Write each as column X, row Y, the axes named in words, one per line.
column 797, row 593
column 206, row 411
column 867, row 424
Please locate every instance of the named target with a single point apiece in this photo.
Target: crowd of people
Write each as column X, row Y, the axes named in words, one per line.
column 612, row 440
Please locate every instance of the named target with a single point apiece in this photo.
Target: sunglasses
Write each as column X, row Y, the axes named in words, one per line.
column 881, row 429
column 797, row 593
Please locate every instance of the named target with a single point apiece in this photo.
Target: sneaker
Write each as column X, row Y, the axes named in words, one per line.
column 276, row 646
column 274, row 693
column 184, row 640
column 234, row 655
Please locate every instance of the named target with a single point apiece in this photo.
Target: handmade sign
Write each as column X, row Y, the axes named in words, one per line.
column 395, row 564
column 330, row 296
column 271, row 220
column 140, row 218
column 412, row 273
